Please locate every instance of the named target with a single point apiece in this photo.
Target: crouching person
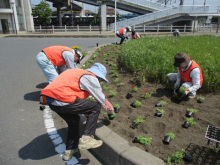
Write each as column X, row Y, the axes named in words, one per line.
column 67, row 94
column 189, row 75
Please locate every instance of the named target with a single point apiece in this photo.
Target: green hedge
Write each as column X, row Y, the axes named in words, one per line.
column 151, row 58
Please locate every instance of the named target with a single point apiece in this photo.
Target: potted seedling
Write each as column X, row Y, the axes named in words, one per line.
column 181, row 92
column 191, row 111
column 189, row 122
column 116, row 107
column 159, row 112
column 136, row 104
column 129, row 95
column 176, row 158
column 134, row 88
column 142, row 140
column 112, row 93
column 200, row 99
column 147, row 95
column 161, row 103
column 168, row 137
column 137, row 121
column 111, row 116
column 188, row 158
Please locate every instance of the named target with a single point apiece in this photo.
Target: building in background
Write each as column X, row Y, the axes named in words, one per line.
column 15, row 16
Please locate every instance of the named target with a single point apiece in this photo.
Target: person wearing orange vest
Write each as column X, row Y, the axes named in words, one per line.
column 189, row 75
column 67, row 94
column 54, row 60
column 123, row 33
column 134, row 35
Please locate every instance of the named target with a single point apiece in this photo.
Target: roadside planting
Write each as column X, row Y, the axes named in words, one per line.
column 154, row 81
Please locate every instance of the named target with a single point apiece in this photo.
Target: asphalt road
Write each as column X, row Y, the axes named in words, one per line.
column 23, row 136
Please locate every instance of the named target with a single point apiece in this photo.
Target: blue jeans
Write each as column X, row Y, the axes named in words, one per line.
column 49, row 70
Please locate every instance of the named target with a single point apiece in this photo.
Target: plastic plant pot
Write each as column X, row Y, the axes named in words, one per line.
column 158, row 114
column 188, row 158
column 134, row 125
column 135, row 140
column 167, row 139
column 116, row 109
column 189, row 113
column 200, row 100
column 186, row 124
column 111, row 116
column 129, row 95
column 158, row 104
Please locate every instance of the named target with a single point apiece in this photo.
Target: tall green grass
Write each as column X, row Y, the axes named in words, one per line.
column 151, row 58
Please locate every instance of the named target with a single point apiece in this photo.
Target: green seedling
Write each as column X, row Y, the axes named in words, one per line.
column 182, row 90
column 134, row 88
column 176, row 158
column 147, row 95
column 115, row 75
column 192, row 110
column 172, row 135
column 143, row 140
column 113, row 71
column 112, row 93
column 121, row 84
column 116, row 105
column 139, row 120
column 105, row 88
column 101, row 83
column 162, row 102
column 116, row 80
column 191, row 121
column 137, row 103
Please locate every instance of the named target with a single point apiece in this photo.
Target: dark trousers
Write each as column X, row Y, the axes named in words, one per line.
column 70, row 113
column 122, row 38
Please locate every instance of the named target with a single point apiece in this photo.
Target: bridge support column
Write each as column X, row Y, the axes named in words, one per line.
column 103, row 17
column 194, row 25
column 59, row 15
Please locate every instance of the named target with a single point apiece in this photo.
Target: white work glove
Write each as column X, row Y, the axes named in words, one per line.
column 187, row 92
column 107, row 106
column 176, row 85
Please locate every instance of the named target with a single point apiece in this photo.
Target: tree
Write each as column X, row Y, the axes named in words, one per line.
column 43, row 12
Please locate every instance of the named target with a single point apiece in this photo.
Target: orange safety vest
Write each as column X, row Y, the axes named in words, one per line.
column 66, row 87
column 54, row 54
column 185, row 76
column 121, row 31
column 135, row 36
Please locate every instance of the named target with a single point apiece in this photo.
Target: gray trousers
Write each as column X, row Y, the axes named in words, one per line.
column 70, row 113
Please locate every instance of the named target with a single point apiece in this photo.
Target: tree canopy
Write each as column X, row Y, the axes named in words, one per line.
column 43, row 12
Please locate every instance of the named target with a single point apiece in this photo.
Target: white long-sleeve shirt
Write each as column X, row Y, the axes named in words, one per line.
column 90, row 84
column 194, row 74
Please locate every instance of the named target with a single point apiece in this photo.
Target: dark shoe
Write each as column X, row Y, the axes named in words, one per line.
column 68, row 154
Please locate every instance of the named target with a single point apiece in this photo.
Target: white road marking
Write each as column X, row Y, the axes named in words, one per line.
column 55, row 137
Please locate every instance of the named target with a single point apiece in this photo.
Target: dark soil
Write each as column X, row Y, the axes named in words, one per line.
column 156, row 127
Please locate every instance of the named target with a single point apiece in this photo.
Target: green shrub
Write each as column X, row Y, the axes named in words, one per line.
column 154, row 57
column 176, row 158
column 143, row 140
column 116, row 105
column 162, row 102
column 192, row 110
column 116, row 80
column 161, row 111
column 139, row 120
column 121, row 84
column 147, row 95
column 172, row 135
column 191, row 121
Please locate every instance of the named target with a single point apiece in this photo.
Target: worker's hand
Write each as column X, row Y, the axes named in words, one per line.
column 176, row 85
column 107, row 106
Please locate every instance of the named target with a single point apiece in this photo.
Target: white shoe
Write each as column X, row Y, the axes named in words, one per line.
column 89, row 143
column 68, row 154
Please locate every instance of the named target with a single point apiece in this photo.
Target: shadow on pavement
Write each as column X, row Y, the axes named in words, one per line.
column 42, row 147
column 32, row 96
column 42, row 85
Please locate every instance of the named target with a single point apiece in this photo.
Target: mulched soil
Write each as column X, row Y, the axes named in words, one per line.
column 156, row 127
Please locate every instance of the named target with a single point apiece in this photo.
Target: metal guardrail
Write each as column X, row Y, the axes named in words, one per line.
column 160, row 14
column 142, row 28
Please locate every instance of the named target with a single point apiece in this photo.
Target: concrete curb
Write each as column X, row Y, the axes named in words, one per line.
column 116, row 150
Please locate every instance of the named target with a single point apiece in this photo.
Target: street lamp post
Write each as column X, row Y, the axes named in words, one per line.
column 115, row 20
